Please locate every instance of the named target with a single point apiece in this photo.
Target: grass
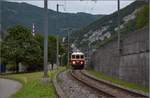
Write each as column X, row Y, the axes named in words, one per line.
column 119, row 82
column 32, row 85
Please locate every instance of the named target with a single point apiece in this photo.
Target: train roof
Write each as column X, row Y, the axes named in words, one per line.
column 77, row 53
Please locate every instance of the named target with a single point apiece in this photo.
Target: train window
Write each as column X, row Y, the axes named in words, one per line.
column 73, row 56
column 82, row 56
column 77, row 56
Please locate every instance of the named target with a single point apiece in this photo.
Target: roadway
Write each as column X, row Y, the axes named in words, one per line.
column 8, row 87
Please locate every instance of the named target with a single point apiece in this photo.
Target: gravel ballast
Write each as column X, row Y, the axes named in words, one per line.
column 74, row 89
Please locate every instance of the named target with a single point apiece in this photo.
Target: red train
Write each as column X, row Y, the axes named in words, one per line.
column 77, row 60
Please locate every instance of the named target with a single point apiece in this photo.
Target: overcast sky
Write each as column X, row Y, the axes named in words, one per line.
column 74, row 6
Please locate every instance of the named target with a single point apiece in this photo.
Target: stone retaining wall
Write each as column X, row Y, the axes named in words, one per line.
column 133, row 62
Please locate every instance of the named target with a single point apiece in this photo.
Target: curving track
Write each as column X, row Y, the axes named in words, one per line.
column 72, row 88
column 105, row 88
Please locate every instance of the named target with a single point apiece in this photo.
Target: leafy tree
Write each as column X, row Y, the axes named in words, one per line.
column 40, row 39
column 142, row 18
column 51, row 47
column 20, row 46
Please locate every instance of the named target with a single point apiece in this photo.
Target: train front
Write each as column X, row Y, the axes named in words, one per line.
column 77, row 60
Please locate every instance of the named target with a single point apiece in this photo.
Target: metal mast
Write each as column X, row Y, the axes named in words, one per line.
column 45, row 38
column 68, row 49
column 119, row 26
column 57, row 56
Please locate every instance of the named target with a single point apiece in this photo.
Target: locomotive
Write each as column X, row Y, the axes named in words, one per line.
column 77, row 60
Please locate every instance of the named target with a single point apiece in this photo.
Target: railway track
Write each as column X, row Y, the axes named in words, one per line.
column 106, row 89
column 72, row 88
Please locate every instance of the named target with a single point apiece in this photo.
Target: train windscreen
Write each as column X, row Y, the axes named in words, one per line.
column 73, row 56
column 77, row 56
column 82, row 56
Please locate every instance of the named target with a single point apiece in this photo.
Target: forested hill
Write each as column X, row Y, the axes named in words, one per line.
column 26, row 14
column 132, row 17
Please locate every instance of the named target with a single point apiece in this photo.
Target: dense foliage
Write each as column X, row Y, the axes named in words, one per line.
column 142, row 18
column 20, row 46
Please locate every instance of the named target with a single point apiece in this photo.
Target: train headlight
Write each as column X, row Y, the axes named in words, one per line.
column 73, row 62
column 81, row 62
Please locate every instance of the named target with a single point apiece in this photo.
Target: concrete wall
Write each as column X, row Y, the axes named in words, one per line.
column 133, row 62
column 106, row 59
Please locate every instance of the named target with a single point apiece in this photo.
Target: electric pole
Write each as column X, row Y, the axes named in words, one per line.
column 45, row 38
column 89, row 53
column 68, row 49
column 119, row 26
column 57, row 55
column 68, row 42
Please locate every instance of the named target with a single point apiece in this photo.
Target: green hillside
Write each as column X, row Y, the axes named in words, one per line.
column 25, row 14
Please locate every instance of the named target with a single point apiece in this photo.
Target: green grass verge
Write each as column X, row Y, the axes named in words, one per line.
column 32, row 85
column 118, row 81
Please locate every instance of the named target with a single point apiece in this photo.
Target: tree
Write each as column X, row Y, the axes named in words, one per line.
column 20, row 46
column 51, row 47
column 142, row 17
column 52, row 50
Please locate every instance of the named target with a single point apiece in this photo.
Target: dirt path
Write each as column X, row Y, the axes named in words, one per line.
column 8, row 87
